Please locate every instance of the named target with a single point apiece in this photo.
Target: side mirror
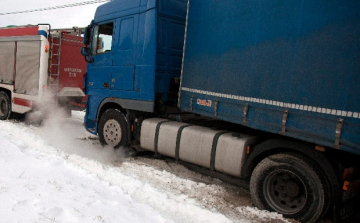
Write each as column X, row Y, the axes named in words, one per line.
column 85, row 51
column 87, row 33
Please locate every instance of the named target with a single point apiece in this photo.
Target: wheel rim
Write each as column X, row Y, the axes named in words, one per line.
column 112, row 132
column 285, row 192
column 3, row 107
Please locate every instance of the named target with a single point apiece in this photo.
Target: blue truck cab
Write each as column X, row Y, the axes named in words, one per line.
column 256, row 92
column 135, row 54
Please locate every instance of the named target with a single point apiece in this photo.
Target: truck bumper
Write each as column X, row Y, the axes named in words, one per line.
column 90, row 125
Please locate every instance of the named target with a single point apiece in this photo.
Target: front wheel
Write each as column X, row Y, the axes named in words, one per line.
column 290, row 184
column 5, row 106
column 113, row 128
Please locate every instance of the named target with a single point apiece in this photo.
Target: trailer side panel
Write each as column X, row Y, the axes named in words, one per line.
column 287, row 67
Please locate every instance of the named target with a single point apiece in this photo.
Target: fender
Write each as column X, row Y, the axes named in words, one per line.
column 146, row 106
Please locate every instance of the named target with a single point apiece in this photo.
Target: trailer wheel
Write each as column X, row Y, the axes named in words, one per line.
column 291, row 185
column 5, row 106
column 113, row 128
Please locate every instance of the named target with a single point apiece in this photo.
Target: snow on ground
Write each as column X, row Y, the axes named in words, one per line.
column 57, row 172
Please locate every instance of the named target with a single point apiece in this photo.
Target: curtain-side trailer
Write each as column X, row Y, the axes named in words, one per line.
column 261, row 91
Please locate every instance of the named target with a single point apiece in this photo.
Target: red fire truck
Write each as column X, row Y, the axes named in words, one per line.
column 37, row 63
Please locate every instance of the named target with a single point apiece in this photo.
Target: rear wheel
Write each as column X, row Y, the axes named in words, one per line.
column 5, row 106
column 290, row 184
column 113, row 129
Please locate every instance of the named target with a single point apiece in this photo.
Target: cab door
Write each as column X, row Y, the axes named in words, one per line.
column 100, row 69
column 124, row 54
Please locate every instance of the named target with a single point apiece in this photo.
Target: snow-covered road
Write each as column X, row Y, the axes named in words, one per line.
column 57, row 172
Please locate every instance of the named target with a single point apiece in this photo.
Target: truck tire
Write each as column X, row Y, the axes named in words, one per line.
column 5, row 106
column 290, row 184
column 113, row 129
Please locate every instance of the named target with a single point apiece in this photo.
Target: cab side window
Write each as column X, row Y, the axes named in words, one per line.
column 102, row 39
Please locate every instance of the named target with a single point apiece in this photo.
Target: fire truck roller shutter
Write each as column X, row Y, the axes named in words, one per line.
column 27, row 67
column 7, row 60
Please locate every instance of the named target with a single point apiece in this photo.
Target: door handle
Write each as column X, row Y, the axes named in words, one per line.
column 106, row 85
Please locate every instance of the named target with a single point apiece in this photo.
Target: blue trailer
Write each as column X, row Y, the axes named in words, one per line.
column 264, row 91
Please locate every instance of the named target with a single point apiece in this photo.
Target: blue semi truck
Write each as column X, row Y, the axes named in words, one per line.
column 255, row 91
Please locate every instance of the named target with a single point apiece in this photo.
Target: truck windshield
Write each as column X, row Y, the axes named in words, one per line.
column 102, row 38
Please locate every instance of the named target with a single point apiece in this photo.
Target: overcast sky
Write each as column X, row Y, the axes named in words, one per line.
column 79, row 16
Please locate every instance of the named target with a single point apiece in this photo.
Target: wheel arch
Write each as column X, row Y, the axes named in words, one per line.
column 105, row 105
column 7, row 91
column 274, row 146
column 123, row 105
